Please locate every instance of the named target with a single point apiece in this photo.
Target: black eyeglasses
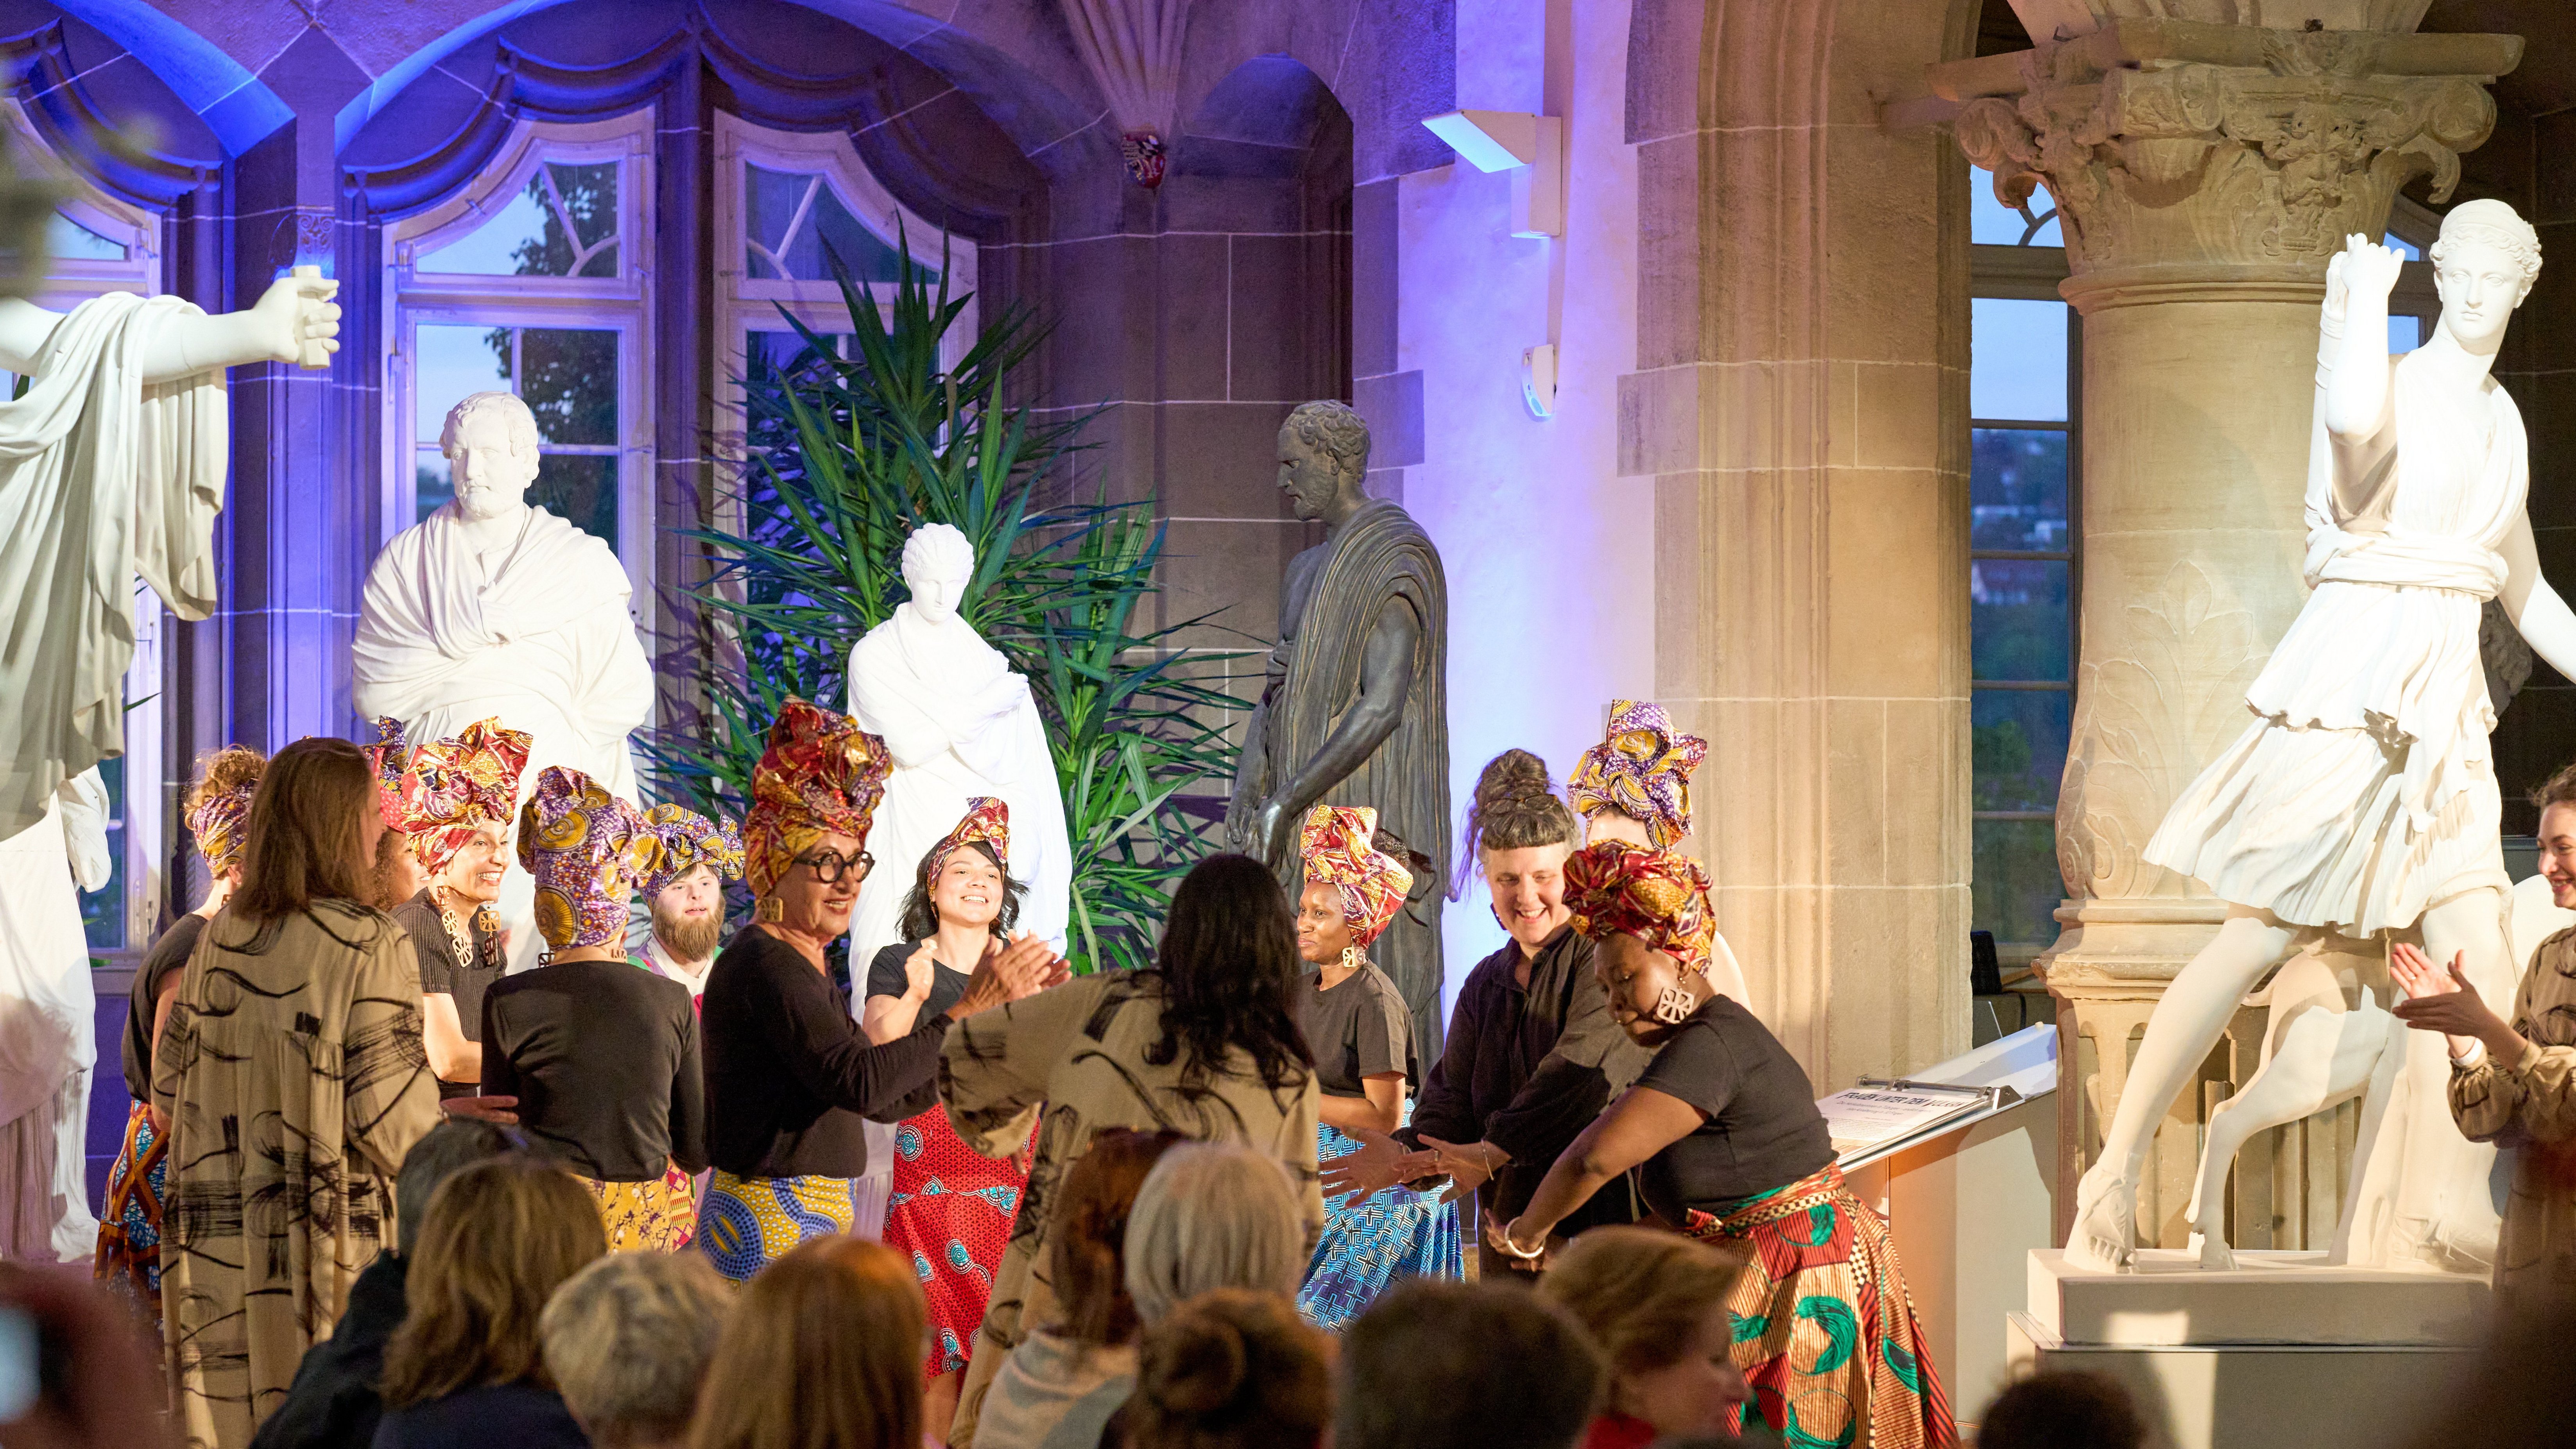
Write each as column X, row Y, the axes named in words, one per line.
column 831, row 865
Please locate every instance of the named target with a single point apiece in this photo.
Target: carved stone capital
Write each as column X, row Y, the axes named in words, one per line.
column 2182, row 154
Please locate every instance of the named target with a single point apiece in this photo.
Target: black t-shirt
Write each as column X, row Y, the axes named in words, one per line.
column 441, row 973
column 886, row 978
column 603, row 1057
column 168, row 956
column 1357, row 1030
column 1763, row 1130
column 789, row 1075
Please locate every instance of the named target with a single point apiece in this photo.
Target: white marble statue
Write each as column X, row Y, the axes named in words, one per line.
column 959, row 723
column 492, row 608
column 2363, row 799
column 48, row 1025
column 112, row 467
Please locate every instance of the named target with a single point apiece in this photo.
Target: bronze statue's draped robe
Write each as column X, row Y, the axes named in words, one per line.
column 1381, row 554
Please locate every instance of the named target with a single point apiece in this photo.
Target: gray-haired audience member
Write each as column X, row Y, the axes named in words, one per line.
column 1212, row 1215
column 333, row 1400
column 627, row 1340
column 1441, row 1365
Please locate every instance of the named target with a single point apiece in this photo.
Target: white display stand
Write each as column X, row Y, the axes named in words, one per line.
column 2280, row 1351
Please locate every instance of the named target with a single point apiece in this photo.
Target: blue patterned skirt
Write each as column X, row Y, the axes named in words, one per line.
column 1371, row 1243
column 748, row 1223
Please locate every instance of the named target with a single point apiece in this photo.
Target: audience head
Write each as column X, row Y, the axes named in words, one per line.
column 312, row 831
column 1232, row 1369
column 1087, row 1236
column 500, row 1237
column 217, row 810
column 1441, row 1365
column 823, row 1352
column 2069, row 1410
column 441, row 1153
column 1518, row 835
column 1228, row 961
column 627, row 1340
column 1212, row 1215
column 1656, row 1304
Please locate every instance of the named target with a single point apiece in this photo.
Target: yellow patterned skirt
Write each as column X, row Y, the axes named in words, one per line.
column 646, row 1217
column 751, row 1222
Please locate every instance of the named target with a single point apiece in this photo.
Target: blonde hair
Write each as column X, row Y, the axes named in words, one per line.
column 824, row 1352
column 501, row 1236
column 1212, row 1215
column 628, row 1338
column 1642, row 1293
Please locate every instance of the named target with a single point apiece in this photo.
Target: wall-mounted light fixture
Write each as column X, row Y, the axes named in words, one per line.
column 1531, row 147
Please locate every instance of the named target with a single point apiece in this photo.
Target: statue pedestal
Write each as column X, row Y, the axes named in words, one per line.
column 2283, row 1350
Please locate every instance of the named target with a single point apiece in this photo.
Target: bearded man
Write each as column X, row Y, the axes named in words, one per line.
column 686, row 893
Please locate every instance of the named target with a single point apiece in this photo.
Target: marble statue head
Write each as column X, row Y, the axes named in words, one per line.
column 937, row 562
column 491, row 445
column 2483, row 265
column 1323, row 456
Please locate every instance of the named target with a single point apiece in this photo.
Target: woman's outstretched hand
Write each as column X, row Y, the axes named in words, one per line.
column 2447, row 1002
column 1020, row 967
column 1381, row 1163
column 1467, row 1167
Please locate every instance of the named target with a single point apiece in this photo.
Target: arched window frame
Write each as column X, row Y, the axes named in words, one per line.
column 622, row 303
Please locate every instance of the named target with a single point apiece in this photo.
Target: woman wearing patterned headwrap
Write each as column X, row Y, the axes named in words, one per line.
column 947, row 1205
column 129, row 1225
column 790, row 1079
column 399, row 876
column 685, row 894
column 1634, row 786
column 602, row 1057
column 458, row 797
column 1723, row 1132
column 1361, row 1035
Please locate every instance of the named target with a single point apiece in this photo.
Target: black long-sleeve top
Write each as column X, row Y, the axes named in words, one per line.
column 603, row 1057
column 790, row 1076
column 1528, row 1068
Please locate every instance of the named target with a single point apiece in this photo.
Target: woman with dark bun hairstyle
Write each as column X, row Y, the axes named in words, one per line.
column 1235, row 1368
column 1533, row 1054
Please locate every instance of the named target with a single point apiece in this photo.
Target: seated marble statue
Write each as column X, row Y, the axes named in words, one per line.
column 2362, row 797
column 960, row 723
column 491, row 608
column 112, row 468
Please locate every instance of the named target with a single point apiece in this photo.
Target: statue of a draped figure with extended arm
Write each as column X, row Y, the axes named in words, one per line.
column 2362, row 799
column 1355, row 709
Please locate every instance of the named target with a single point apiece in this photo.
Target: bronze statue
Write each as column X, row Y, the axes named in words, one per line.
column 1356, row 707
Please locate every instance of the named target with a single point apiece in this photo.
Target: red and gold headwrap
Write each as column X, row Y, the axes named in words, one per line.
column 821, row 775
column 1643, row 769
column 221, row 812
column 388, row 757
column 459, row 784
column 1658, row 896
column 587, row 849
column 1339, row 847
column 987, row 819
column 690, row 840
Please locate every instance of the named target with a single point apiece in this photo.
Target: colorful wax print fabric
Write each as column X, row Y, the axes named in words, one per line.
column 217, row 824
column 1824, row 1329
column 645, row 1217
column 1372, row 1243
column 949, row 1210
column 1642, row 769
column 987, row 819
column 747, row 1223
column 129, row 1222
column 586, row 848
column 690, row 840
column 821, row 775
column 456, row 785
column 1338, row 845
column 389, row 756
column 1658, row 896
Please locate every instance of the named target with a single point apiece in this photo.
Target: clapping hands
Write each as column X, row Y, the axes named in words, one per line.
column 1021, row 966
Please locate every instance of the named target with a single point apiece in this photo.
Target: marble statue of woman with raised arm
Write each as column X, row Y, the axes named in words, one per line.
column 2363, row 797
column 112, row 468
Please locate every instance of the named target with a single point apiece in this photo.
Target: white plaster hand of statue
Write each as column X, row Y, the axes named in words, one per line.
column 293, row 311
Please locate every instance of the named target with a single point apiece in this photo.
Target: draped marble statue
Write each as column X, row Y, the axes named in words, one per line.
column 48, row 1025
column 1355, row 709
column 960, row 723
column 491, row 608
column 2361, row 799
column 112, row 469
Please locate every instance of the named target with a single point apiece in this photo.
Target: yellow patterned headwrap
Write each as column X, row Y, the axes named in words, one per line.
column 987, row 819
column 587, row 848
column 1339, row 847
column 821, row 775
column 222, row 807
column 1643, row 769
column 460, row 783
column 690, row 840
column 1658, row 896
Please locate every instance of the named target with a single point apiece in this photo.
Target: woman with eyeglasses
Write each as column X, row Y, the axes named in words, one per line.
column 790, row 1077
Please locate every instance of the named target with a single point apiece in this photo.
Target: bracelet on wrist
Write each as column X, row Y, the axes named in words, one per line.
column 1514, row 1249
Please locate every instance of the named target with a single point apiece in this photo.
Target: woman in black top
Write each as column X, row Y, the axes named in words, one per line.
column 601, row 1055
column 459, row 796
column 1723, row 1136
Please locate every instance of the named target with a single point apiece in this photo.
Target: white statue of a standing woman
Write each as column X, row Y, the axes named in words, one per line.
column 2363, row 797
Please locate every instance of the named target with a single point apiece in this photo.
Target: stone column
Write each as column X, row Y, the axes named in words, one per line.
column 2203, row 174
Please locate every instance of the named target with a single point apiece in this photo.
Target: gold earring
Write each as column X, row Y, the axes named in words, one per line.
column 772, row 911
column 1353, row 958
column 1673, row 1006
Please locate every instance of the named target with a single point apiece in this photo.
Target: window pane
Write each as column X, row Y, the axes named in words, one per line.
column 103, row 910
column 868, row 258
column 2401, row 246
column 69, row 240
column 2017, row 746
column 589, row 195
column 449, row 364
column 569, row 379
column 495, row 248
column 1992, row 223
column 530, row 237
column 2017, row 360
column 2017, row 887
column 2017, row 619
column 771, row 200
column 792, row 218
column 431, row 485
column 2405, row 334
column 582, row 488
column 2017, row 491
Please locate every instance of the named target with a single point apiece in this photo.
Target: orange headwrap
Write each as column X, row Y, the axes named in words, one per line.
column 459, row 784
column 1658, row 896
column 821, row 775
column 1643, row 769
column 1339, row 846
column 987, row 819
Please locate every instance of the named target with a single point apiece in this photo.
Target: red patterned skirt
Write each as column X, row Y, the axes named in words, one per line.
column 1824, row 1329
column 949, row 1208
